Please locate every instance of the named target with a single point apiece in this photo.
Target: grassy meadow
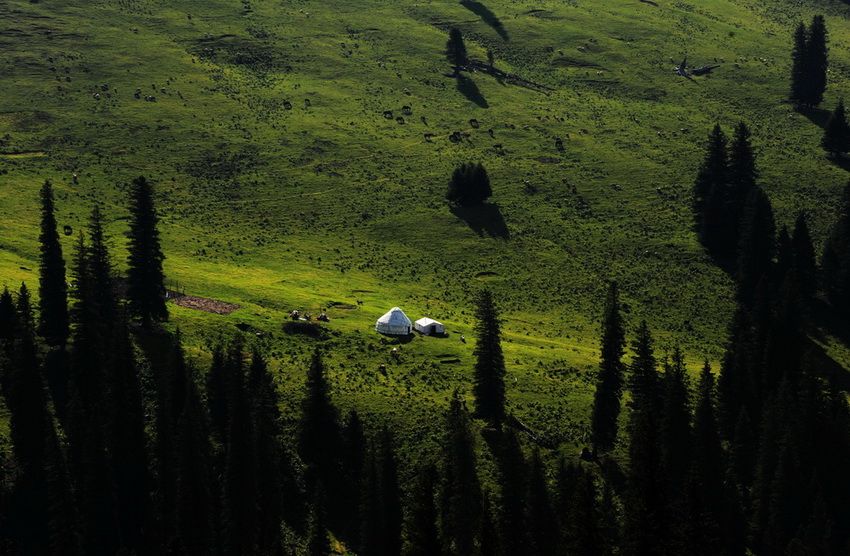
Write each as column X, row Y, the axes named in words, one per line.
column 300, row 151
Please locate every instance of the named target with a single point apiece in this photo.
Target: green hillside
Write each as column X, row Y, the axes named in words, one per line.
column 300, row 152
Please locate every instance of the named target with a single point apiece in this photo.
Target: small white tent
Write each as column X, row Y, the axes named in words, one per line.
column 428, row 326
column 395, row 322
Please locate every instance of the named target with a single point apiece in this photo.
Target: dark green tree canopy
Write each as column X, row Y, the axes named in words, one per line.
column 489, row 380
column 145, row 278
column 809, row 63
column 609, row 383
column 469, row 185
column 53, row 321
column 712, row 172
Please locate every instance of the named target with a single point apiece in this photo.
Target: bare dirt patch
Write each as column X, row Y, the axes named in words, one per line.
column 202, row 303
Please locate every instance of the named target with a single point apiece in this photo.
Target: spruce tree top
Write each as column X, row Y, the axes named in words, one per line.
column 146, row 282
column 470, row 185
column 53, row 322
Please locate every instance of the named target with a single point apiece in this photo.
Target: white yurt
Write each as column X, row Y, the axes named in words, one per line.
column 395, row 322
column 428, row 326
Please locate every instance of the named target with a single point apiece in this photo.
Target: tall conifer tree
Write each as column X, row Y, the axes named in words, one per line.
column 676, row 424
column 53, row 322
column 319, row 432
column 489, row 378
column 712, row 172
column 756, row 244
column 513, row 487
column 609, row 384
column 742, row 180
column 644, row 381
column 423, row 538
column 460, row 489
column 145, row 279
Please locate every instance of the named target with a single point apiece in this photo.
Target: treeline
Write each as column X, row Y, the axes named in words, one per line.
column 120, row 445
column 782, row 412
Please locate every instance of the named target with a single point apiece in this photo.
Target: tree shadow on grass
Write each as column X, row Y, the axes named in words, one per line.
column 817, row 116
column 469, row 89
column 484, row 219
column 487, row 17
column 395, row 339
column 828, row 368
column 841, row 161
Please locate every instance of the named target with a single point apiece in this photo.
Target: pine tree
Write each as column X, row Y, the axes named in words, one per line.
column 423, row 538
column 169, row 377
column 62, row 526
column 756, row 244
column 8, row 319
column 799, row 75
column 456, row 51
column 381, row 507
column 125, row 438
column 646, row 502
column 469, row 185
column 145, row 279
column 646, row 492
column 318, row 543
column 30, row 429
column 742, row 180
column 805, row 266
column 460, row 490
column 489, row 378
column 217, row 395
column 543, row 529
column 52, row 289
column 708, row 465
column 644, row 381
column 584, row 537
column 485, row 530
column 512, row 480
column 194, row 485
column 269, row 453
column 353, row 457
column 240, row 489
column 609, row 384
column 816, row 61
column 319, row 434
column 712, row 173
column 836, row 134
column 102, row 274
column 391, row 495
column 371, row 510
column 676, row 424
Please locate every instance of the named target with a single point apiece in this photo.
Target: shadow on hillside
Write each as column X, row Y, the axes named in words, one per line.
column 826, row 367
column 817, row 116
column 487, row 17
column 469, row 89
column 841, row 161
column 396, row 340
column 484, row 219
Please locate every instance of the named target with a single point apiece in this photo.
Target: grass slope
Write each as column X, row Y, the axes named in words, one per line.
column 284, row 182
